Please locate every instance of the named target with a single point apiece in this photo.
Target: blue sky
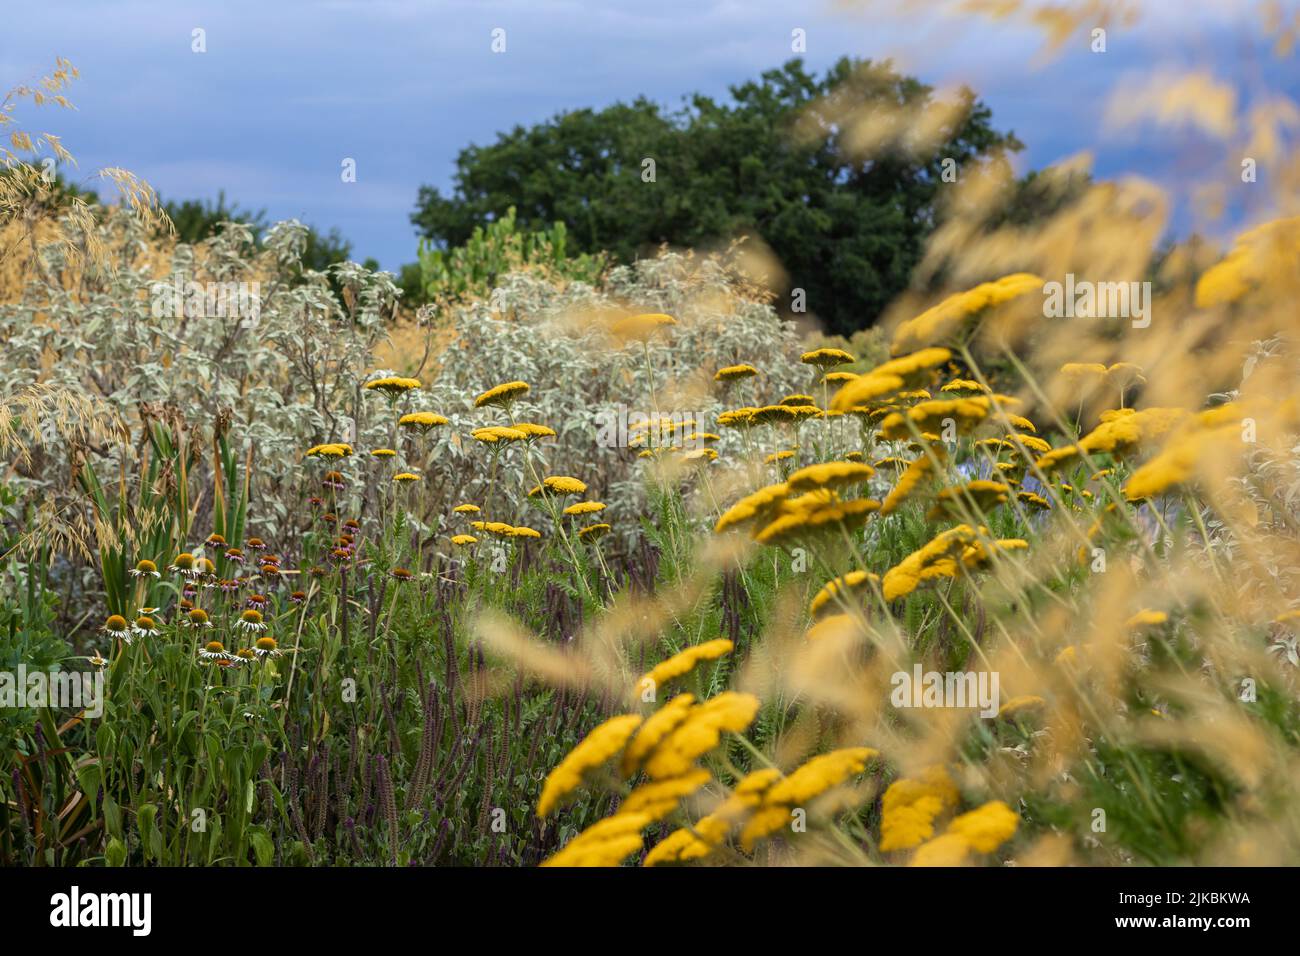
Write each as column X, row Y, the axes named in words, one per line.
column 288, row 88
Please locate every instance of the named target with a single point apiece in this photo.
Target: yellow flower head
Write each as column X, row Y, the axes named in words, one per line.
column 826, row 358
column 639, row 328
column 965, row 413
column 945, row 320
column 393, row 385
column 986, row 828
column 421, row 421
column 595, row 750
column 700, row 732
column 466, row 509
column 497, row 434
column 684, row 662
column 658, row 798
column 938, row 558
column 831, row 474
column 605, row 843
column 911, row 805
column 980, row 494
column 584, row 508
column 502, row 394
column 801, row 523
column 383, row 453
column 847, row 585
column 656, row 727
column 463, row 539
column 405, row 476
column 592, row 532
column 760, row 504
column 910, row 481
column 733, row 372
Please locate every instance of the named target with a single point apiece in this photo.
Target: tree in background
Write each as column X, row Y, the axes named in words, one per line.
column 848, row 231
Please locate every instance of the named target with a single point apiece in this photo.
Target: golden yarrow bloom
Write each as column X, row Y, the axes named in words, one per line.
column 763, row 503
column 502, row 394
column 830, row 474
column 684, row 662
column 980, row 494
column 936, row 559
column 811, row 780
column 584, row 508
column 393, row 385
column 466, row 509
column 422, row 421
column 593, row 532
column 533, row 430
column 659, row 798
column 463, row 539
column 848, row 514
column 405, row 476
column 907, row 373
column 656, row 727
column 329, row 450
column 495, row 434
column 600, row 746
column 732, row 373
column 847, row 585
column 945, row 320
column 964, row 413
column 640, row 327
column 560, row 485
column 826, row 358
column 700, row 732
column 911, row 805
column 605, row 843
column 384, row 453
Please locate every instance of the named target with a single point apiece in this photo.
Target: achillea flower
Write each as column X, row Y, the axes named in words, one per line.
column 965, row 413
column 393, row 385
column 329, row 450
column 945, row 320
column 1029, row 498
column 421, row 421
column 700, row 455
column 830, row 474
column 965, row 385
column 1146, row 618
column 406, row 476
column 835, row 627
column 986, row 828
column 826, row 358
column 778, row 456
column 560, row 485
column 521, row 532
column 1259, row 257
column 595, row 750
column 911, row 805
column 1032, row 442
column 383, row 453
column 799, row 399
column 640, row 327
column 984, row 494
column 684, row 662
column 802, row 523
column 937, row 558
column 498, row 528
column 980, row 554
column 467, row 509
column 807, row 782
column 534, row 431
column 708, row 833
column 733, row 372
column 950, row 849
column 659, row 798
column 656, row 727
column 737, row 417
column 1179, row 463
column 463, row 539
column 1017, row 704
column 847, row 585
column 593, row 532
column 759, row 504
column 700, row 732
column 495, row 434
column 605, row 843
column 584, row 508
column 502, row 395
column 838, row 378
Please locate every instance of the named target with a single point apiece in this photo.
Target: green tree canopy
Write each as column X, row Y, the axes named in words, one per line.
column 847, row 230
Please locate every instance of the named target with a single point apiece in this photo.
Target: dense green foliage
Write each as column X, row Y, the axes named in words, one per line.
column 847, row 231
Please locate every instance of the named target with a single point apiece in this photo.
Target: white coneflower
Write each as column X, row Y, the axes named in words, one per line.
column 144, row 626
column 117, row 626
column 96, row 660
column 197, row 617
column 251, row 621
column 215, row 651
column 267, row 646
column 145, row 568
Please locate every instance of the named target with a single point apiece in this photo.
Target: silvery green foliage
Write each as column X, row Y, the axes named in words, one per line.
column 288, row 377
column 294, row 377
column 580, row 379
